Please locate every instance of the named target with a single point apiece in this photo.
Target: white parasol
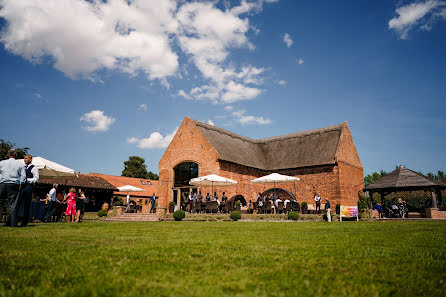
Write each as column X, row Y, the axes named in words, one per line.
column 49, row 168
column 276, row 178
column 212, row 180
column 129, row 188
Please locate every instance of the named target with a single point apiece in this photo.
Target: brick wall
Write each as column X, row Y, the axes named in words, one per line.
column 339, row 183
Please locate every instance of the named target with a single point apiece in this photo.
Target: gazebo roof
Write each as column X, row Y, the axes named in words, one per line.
column 403, row 178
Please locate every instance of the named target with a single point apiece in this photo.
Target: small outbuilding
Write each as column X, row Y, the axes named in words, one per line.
column 403, row 179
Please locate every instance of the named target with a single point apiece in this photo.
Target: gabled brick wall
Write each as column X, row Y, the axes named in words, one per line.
column 339, row 183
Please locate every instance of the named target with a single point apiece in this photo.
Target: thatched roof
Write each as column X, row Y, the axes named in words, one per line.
column 303, row 149
column 403, row 178
column 84, row 181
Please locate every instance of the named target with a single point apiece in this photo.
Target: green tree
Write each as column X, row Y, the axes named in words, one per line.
column 5, row 146
column 371, row 178
column 136, row 167
column 439, row 176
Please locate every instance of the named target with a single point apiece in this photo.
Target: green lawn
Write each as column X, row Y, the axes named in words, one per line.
column 224, row 259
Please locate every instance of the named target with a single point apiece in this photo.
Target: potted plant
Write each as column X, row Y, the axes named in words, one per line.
column 237, row 205
column 304, row 207
column 338, row 209
column 171, row 207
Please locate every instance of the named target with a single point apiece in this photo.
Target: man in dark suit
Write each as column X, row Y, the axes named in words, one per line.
column 26, row 194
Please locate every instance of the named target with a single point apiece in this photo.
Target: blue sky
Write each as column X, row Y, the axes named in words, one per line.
column 88, row 83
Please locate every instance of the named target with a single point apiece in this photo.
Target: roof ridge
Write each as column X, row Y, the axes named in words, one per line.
column 269, row 139
column 301, row 133
column 221, row 130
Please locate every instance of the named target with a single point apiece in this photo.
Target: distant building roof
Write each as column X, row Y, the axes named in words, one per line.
column 84, row 181
column 150, row 186
column 404, row 178
column 302, row 149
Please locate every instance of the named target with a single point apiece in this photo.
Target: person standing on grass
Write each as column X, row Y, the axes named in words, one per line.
column 52, row 202
column 12, row 177
column 80, row 206
column 327, row 209
column 26, row 194
column 70, row 198
column 317, row 199
column 152, row 201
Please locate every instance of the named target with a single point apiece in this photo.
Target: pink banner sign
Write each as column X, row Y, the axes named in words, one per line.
column 349, row 211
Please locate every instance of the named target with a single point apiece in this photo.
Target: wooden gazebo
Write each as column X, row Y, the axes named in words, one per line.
column 404, row 179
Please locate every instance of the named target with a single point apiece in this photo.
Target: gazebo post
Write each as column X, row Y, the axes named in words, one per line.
column 434, row 198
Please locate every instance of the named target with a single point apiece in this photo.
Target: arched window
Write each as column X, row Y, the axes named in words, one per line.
column 184, row 172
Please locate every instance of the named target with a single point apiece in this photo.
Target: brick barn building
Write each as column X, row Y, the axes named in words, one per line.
column 324, row 159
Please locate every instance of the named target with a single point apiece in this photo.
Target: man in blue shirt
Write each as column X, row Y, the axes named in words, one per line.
column 12, row 177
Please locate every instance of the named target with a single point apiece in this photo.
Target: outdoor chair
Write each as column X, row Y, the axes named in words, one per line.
column 267, row 207
column 196, row 207
column 279, row 207
column 228, row 207
column 211, row 206
column 288, row 207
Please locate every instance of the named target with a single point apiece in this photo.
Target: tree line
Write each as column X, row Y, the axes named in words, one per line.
column 371, row 178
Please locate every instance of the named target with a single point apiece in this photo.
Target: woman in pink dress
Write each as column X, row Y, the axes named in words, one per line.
column 70, row 198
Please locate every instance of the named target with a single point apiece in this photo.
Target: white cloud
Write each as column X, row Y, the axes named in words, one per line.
column 138, row 36
column 182, row 93
column 39, row 98
column 210, row 122
column 282, row 82
column 142, row 107
column 229, row 107
column 241, row 117
column 287, row 39
column 155, row 140
column 300, row 61
column 417, row 14
column 97, row 121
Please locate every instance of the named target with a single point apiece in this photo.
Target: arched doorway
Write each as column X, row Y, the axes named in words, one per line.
column 181, row 189
column 238, row 198
column 281, row 193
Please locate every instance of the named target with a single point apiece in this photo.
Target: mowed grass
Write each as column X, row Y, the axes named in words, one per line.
column 224, row 259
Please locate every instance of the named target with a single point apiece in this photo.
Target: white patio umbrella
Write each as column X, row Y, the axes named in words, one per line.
column 49, row 168
column 129, row 188
column 212, row 180
column 276, row 178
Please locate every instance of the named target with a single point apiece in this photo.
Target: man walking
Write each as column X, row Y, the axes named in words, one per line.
column 152, row 201
column 32, row 177
column 12, row 176
column 52, row 203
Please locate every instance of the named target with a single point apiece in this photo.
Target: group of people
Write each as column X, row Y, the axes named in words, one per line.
column 17, row 182
column 74, row 204
column 398, row 209
column 195, row 196
column 275, row 200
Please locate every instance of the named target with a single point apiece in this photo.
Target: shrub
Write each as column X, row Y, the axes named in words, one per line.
column 179, row 215
column 171, row 203
column 117, row 201
column 237, row 203
column 101, row 213
column 417, row 204
column 304, row 204
column 292, row 215
column 235, row 215
column 363, row 202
